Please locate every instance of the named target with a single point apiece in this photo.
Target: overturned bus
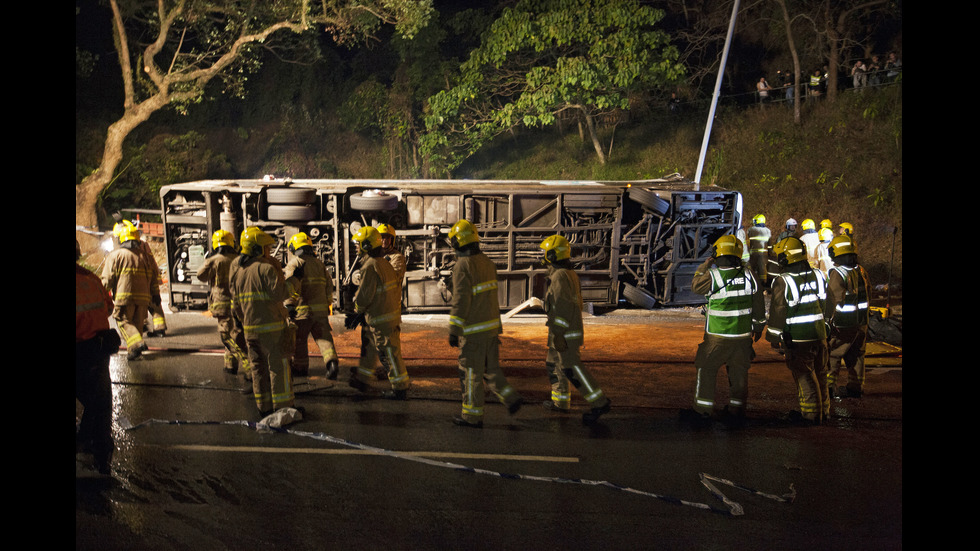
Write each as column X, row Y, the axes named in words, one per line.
column 634, row 243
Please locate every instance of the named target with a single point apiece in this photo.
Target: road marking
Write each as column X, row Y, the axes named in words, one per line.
column 454, row 455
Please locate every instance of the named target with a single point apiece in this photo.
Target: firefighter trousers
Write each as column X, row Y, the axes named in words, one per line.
column 479, row 369
column 272, row 384
column 130, row 320
column 319, row 329
column 236, row 349
column 93, row 389
column 849, row 346
column 736, row 355
column 382, row 342
column 807, row 361
column 565, row 366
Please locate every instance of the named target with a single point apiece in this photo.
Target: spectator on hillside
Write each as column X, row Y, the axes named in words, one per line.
column 893, row 67
column 874, row 71
column 815, row 86
column 763, row 88
column 787, row 84
column 859, row 74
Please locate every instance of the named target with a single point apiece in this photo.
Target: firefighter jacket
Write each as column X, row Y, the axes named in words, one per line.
column 215, row 272
column 128, row 276
column 378, row 295
column 310, row 286
column 736, row 304
column 258, row 291
column 475, row 311
column 847, row 297
column 796, row 310
column 563, row 304
column 93, row 305
column 758, row 239
column 154, row 268
column 811, row 240
column 398, row 263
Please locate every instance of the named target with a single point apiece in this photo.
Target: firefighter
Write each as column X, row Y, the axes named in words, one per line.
column 824, row 260
column 129, row 278
column 846, row 228
column 95, row 342
column 475, row 327
column 810, row 240
column 789, row 231
column 826, row 224
column 157, row 326
column 311, row 288
column 258, row 291
column 798, row 330
column 847, row 313
column 563, row 306
column 759, row 236
column 399, row 264
column 377, row 306
column 736, row 316
column 214, row 272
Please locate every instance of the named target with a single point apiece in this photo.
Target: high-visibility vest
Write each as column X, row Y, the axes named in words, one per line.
column 729, row 309
column 806, row 293
column 853, row 311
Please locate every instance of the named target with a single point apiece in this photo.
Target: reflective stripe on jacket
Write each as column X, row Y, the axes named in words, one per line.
column 847, row 297
column 475, row 310
column 563, row 304
column 258, row 290
column 378, row 296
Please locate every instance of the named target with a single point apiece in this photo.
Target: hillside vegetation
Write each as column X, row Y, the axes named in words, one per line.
column 842, row 162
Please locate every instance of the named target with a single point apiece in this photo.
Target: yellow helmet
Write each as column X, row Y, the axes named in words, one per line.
column 222, row 238
column 826, row 223
column 556, row 248
column 127, row 233
column 127, row 227
column 299, row 240
column 253, row 240
column 728, row 245
column 386, row 229
column 841, row 245
column 808, row 224
column 789, row 251
column 367, row 238
column 759, row 219
column 847, row 228
column 463, row 233
column 825, row 234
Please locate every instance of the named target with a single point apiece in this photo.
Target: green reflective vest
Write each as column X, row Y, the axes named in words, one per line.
column 806, row 293
column 729, row 309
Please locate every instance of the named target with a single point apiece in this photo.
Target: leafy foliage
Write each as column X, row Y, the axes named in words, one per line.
column 543, row 57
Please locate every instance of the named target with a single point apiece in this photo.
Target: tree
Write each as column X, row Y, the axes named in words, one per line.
column 186, row 44
column 541, row 58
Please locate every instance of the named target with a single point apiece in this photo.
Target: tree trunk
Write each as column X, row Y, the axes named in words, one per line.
column 594, row 136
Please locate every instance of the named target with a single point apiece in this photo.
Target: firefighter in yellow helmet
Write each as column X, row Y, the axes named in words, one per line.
column 826, row 224
column 399, row 263
column 474, row 327
column 214, row 272
column 311, row 294
column 377, row 306
column 563, row 306
column 157, row 326
column 810, row 239
column 798, row 330
column 759, row 236
column 735, row 318
column 847, row 313
column 258, row 291
column 130, row 278
column 824, row 261
column 846, row 228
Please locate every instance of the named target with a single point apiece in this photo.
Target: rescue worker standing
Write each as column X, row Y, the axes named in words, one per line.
column 95, row 342
column 847, row 313
column 377, row 305
column 311, row 290
column 258, row 290
column 563, row 306
column 759, row 236
column 214, row 272
column 400, row 265
column 736, row 316
column 475, row 327
column 129, row 278
column 798, row 330
column 810, row 240
column 824, row 260
column 157, row 323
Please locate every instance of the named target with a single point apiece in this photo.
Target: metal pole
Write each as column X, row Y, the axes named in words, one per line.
column 714, row 98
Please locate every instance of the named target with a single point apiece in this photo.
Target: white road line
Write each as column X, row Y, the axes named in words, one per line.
column 453, row 455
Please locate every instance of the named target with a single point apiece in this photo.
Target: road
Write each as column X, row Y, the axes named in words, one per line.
column 192, row 469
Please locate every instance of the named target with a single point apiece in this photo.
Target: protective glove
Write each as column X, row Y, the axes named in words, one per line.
column 353, row 320
column 291, row 310
column 560, row 343
column 454, row 341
